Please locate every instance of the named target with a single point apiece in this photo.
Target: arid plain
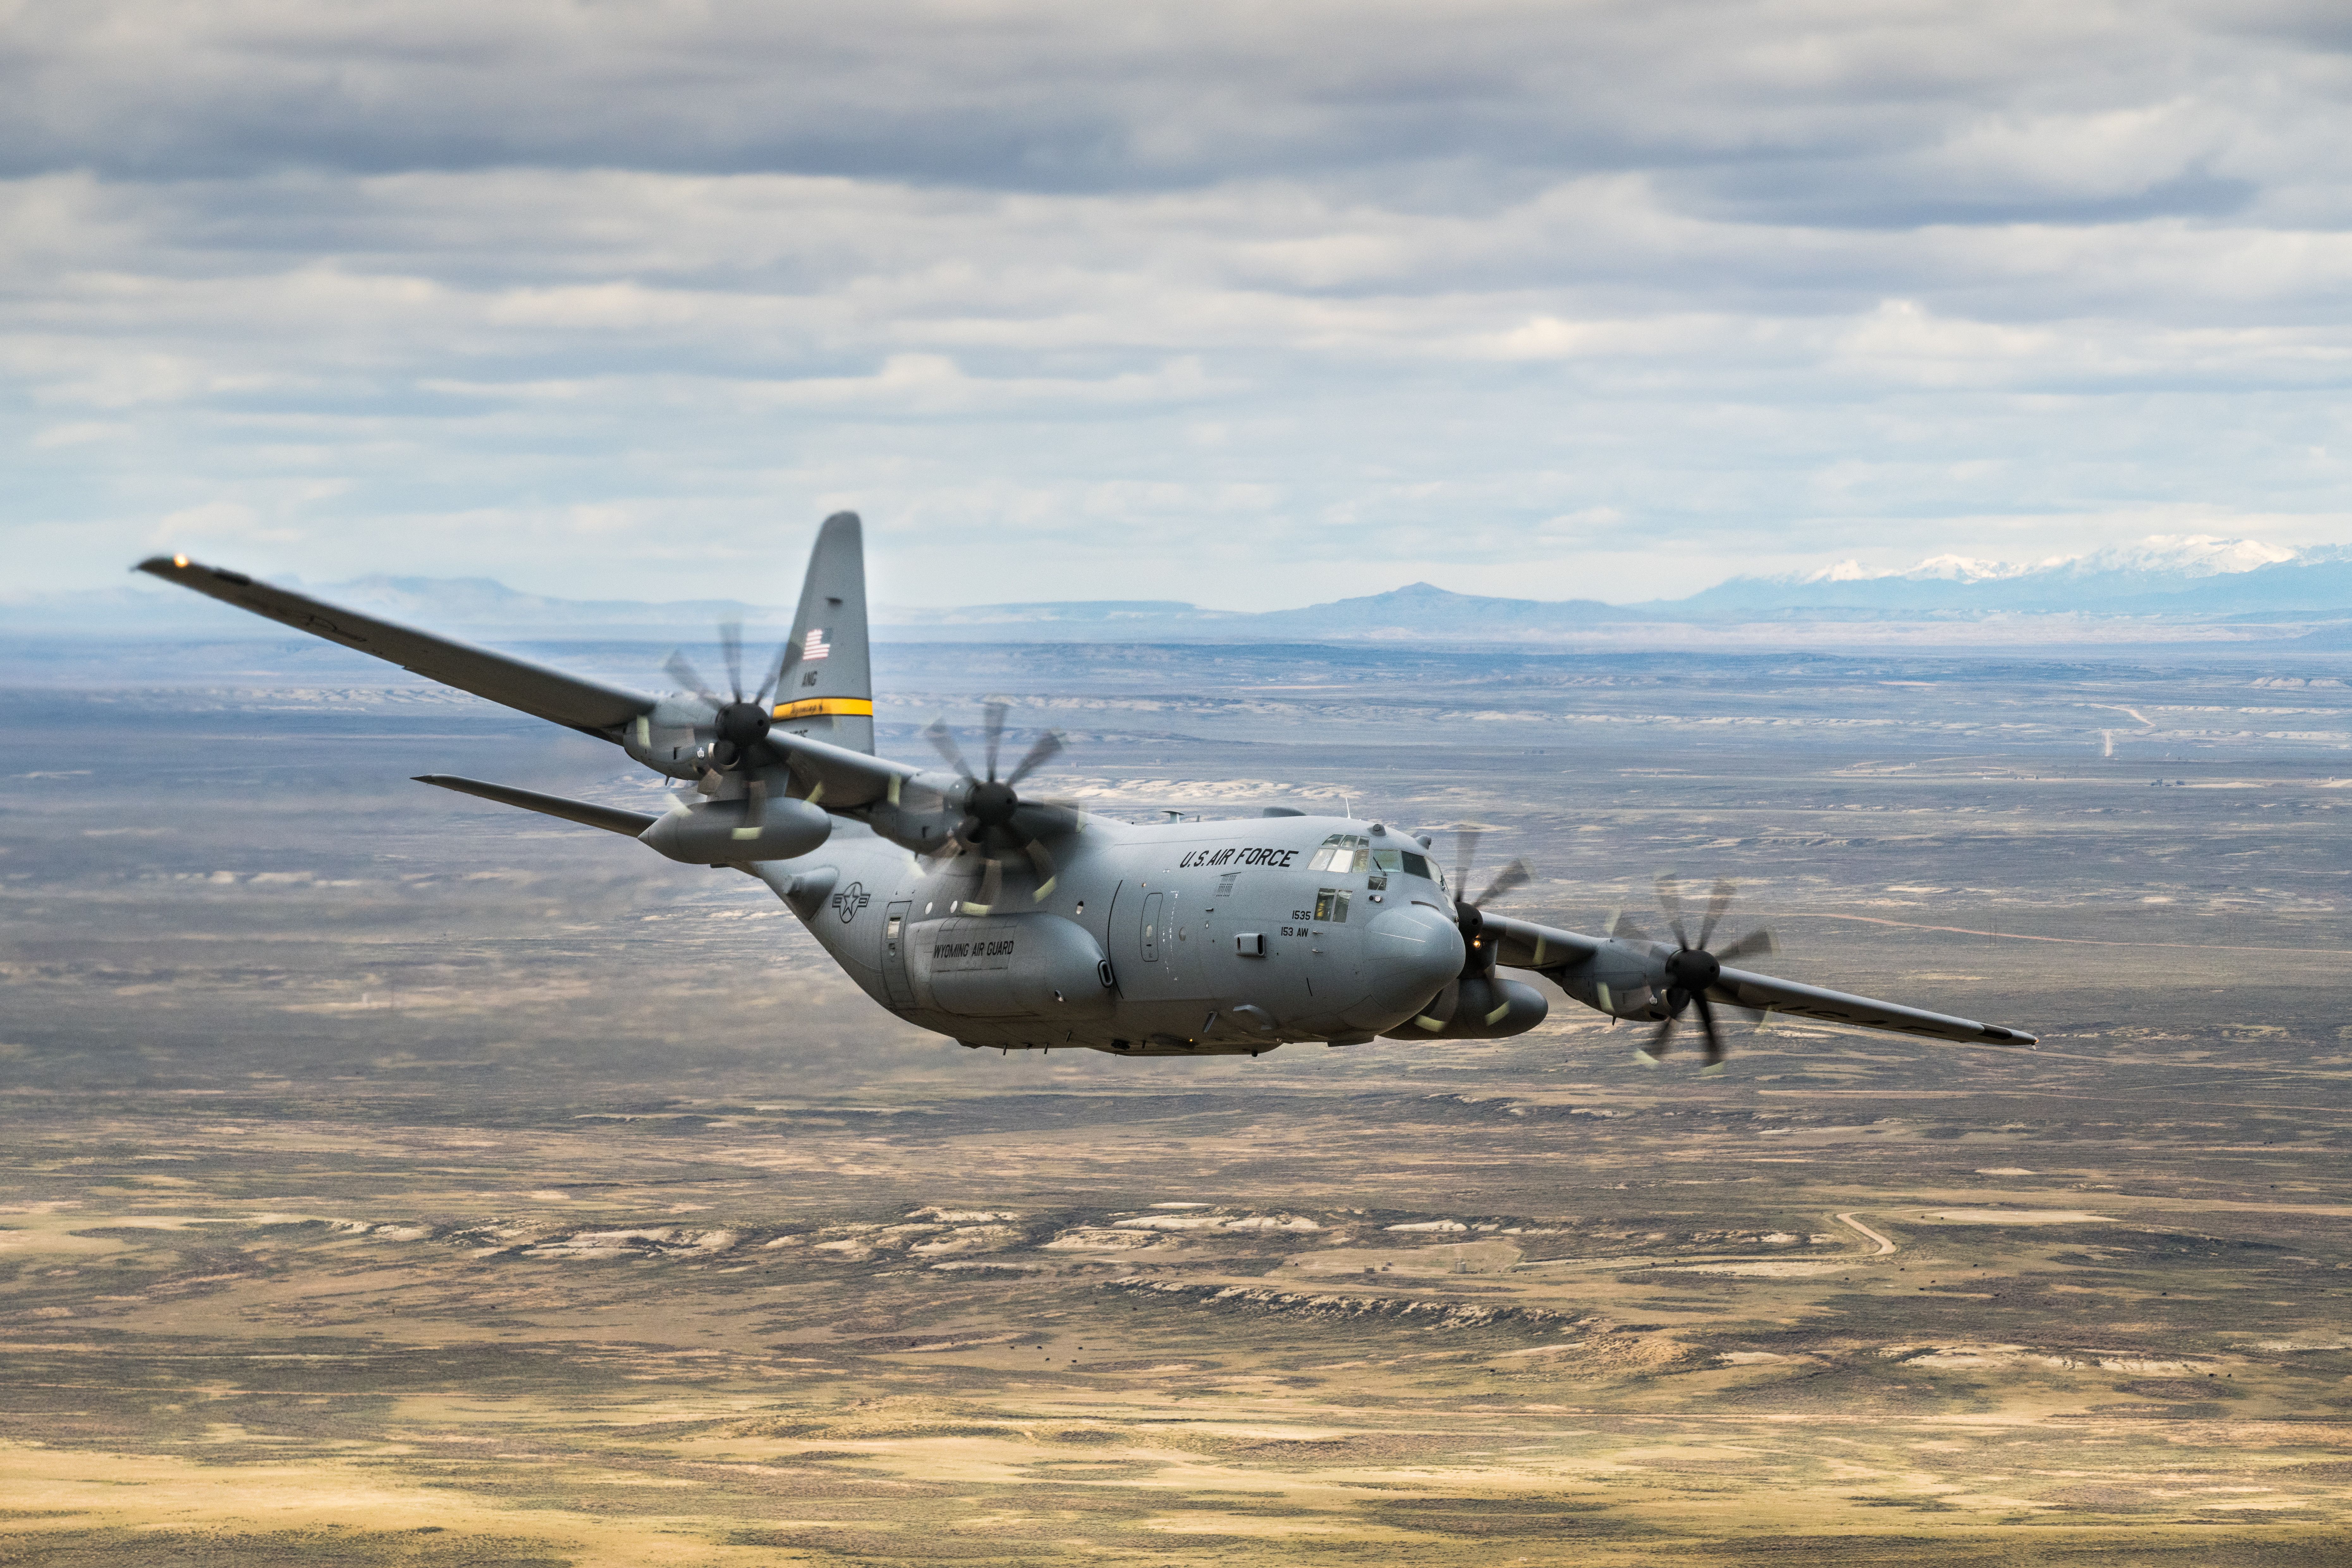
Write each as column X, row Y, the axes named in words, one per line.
column 392, row 1178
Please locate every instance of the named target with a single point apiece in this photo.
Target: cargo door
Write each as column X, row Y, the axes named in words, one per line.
column 894, row 938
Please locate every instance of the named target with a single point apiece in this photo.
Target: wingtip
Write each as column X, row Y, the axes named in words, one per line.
column 179, row 567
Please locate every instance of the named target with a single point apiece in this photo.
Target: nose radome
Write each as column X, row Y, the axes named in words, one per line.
column 1410, row 953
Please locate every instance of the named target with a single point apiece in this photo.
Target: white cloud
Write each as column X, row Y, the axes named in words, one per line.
column 1216, row 300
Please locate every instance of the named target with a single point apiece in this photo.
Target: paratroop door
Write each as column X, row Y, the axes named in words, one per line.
column 893, row 956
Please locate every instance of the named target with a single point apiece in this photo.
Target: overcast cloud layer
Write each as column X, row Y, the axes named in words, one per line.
column 1243, row 304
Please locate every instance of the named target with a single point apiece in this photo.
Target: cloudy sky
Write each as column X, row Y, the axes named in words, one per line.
column 1252, row 305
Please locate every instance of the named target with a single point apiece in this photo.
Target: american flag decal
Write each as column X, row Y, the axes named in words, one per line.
column 814, row 646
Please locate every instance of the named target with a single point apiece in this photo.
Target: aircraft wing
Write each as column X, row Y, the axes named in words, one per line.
column 1748, row 990
column 1556, row 954
column 844, row 778
column 1523, row 945
column 543, row 693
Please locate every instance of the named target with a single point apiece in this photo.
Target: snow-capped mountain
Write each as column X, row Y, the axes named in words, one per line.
column 2178, row 573
column 2182, row 555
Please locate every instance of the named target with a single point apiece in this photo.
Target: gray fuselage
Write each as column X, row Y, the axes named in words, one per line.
column 1177, row 938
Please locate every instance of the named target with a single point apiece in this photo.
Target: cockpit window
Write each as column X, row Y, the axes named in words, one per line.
column 1404, row 861
column 1342, row 852
column 1354, row 852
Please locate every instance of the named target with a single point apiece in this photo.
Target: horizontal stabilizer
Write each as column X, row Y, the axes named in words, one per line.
column 611, row 818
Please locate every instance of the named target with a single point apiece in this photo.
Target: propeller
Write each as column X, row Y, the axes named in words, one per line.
column 995, row 816
column 739, row 722
column 1693, row 969
column 1477, row 949
column 1510, row 878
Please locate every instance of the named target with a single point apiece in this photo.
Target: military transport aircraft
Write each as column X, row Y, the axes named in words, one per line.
column 969, row 909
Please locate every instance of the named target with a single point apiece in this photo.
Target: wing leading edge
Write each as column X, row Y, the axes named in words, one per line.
column 517, row 683
column 1564, row 957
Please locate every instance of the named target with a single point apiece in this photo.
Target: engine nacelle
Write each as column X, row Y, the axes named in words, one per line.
column 1001, row 966
column 667, row 739
column 712, row 832
column 1485, row 1008
column 1620, row 980
column 919, row 816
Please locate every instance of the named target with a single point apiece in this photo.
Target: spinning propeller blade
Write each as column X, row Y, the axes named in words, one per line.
column 1465, row 850
column 730, row 649
column 943, row 740
column 1510, row 878
column 1691, row 971
column 1756, row 943
column 992, row 888
column 1718, row 901
column 775, row 674
column 687, row 675
column 1046, row 748
column 996, row 818
column 1048, row 873
column 995, row 712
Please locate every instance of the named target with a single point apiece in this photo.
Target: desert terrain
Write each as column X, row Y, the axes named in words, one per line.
column 388, row 1177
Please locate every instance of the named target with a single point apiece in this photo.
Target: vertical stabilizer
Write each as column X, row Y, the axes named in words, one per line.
column 827, row 689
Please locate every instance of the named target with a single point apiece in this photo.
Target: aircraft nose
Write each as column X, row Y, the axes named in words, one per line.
column 1410, row 953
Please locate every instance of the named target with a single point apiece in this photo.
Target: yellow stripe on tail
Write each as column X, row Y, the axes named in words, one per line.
column 824, row 707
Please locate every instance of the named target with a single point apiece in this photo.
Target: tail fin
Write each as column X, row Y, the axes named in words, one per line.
column 827, row 689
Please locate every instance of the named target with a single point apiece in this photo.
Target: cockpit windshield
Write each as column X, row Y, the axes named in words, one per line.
column 1342, row 852
column 1354, row 852
column 1403, row 861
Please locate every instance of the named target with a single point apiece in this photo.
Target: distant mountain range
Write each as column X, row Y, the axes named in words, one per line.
column 2194, row 577
column 2165, row 579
